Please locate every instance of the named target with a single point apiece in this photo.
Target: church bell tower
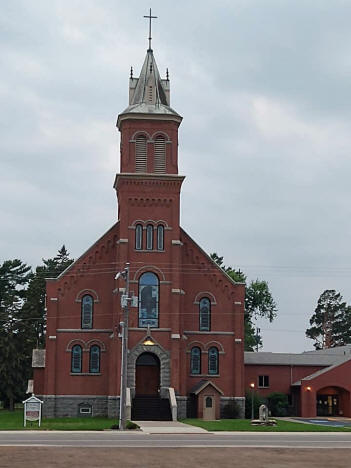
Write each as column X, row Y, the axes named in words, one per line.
column 148, row 185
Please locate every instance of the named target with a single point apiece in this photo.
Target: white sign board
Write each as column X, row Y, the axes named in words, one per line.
column 32, row 409
column 135, row 301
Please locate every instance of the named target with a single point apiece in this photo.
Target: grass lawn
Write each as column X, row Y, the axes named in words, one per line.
column 14, row 421
column 245, row 425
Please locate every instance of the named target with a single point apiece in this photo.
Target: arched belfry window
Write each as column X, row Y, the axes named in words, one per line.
column 141, row 154
column 160, row 237
column 148, row 300
column 138, row 237
column 195, row 361
column 149, row 237
column 213, row 367
column 87, row 311
column 94, row 360
column 205, row 314
column 76, row 360
column 160, row 155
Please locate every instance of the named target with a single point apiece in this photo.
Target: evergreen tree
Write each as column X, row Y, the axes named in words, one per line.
column 22, row 320
column 14, row 276
column 259, row 302
column 34, row 310
column 331, row 321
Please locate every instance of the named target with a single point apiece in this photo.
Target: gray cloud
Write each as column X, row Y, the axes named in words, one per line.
column 264, row 91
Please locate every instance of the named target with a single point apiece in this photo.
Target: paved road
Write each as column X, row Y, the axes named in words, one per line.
column 135, row 439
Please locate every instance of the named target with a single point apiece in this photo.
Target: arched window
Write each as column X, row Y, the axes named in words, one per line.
column 208, row 402
column 139, row 237
column 76, row 359
column 94, row 359
column 148, row 300
column 195, row 360
column 160, row 155
column 160, row 237
column 87, row 311
column 205, row 314
column 149, row 237
column 213, row 367
column 141, row 154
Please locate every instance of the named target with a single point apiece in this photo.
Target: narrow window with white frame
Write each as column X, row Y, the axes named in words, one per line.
column 138, row 237
column 160, row 237
column 149, row 237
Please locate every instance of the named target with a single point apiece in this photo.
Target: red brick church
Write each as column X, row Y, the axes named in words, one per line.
column 186, row 333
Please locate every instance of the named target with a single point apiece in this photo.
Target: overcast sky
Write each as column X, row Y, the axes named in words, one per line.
column 264, row 89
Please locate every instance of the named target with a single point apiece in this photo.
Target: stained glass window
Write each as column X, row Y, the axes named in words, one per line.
column 87, row 311
column 94, row 362
column 195, row 361
column 213, row 360
column 148, row 300
column 205, row 314
column 76, row 364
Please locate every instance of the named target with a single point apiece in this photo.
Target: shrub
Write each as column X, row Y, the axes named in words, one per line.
column 231, row 410
column 258, row 401
column 278, row 404
column 129, row 425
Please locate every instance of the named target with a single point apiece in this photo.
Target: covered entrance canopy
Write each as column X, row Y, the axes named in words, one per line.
column 327, row 392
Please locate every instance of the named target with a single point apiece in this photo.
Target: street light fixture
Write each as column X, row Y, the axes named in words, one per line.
column 252, row 385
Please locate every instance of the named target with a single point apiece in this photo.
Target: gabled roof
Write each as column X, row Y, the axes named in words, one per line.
column 321, row 371
column 211, row 261
column 202, row 385
column 76, row 262
column 325, row 357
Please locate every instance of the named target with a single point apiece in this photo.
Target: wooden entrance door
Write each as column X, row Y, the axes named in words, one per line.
column 147, row 379
column 209, row 408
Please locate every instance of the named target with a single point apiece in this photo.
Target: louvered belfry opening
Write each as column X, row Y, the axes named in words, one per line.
column 141, row 154
column 160, row 155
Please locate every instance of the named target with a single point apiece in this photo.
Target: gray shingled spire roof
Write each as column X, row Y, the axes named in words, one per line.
column 149, row 94
column 149, row 73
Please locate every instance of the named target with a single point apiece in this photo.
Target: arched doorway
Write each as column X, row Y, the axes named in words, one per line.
column 147, row 375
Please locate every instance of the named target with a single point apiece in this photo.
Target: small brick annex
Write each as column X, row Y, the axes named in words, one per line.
column 318, row 383
column 188, row 308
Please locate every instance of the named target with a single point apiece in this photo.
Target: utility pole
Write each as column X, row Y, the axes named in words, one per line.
column 125, row 299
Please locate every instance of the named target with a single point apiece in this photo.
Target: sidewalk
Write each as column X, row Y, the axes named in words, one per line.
column 168, row 427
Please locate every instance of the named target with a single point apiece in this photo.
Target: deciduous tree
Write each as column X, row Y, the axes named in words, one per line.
column 259, row 303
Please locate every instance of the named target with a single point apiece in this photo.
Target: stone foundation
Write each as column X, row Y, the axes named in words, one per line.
column 113, row 407
column 68, row 406
column 181, row 407
column 108, row 406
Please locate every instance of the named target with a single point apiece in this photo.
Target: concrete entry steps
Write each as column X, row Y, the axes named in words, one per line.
column 168, row 427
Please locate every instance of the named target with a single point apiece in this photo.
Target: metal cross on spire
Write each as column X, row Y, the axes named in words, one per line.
column 150, row 18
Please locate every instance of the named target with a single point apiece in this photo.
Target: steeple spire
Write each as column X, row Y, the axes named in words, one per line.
column 150, row 19
column 149, row 94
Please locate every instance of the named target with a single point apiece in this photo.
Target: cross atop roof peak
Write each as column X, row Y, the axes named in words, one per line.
column 150, row 19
